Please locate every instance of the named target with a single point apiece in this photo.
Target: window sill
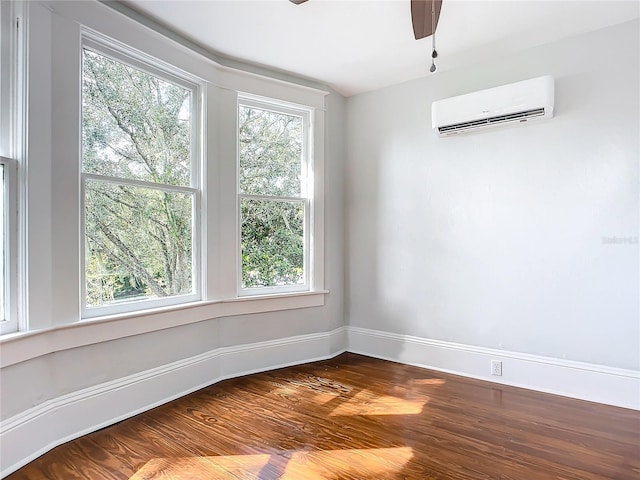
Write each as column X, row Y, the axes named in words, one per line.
column 21, row 346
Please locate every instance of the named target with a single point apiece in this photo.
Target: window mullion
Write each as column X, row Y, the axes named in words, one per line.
column 272, row 197
column 139, row 183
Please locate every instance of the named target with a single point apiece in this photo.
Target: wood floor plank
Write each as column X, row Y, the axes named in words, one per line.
column 354, row 417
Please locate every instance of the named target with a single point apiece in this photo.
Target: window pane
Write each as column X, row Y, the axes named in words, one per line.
column 272, row 243
column 134, row 125
column 270, row 152
column 138, row 243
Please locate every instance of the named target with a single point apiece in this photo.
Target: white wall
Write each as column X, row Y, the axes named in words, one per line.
column 496, row 239
column 491, row 240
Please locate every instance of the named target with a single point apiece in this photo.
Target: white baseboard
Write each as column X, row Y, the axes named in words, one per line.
column 32, row 433
column 585, row 381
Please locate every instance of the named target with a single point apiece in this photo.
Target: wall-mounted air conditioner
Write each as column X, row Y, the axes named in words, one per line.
column 516, row 103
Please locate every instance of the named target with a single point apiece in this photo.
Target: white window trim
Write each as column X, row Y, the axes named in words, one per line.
column 8, row 56
column 10, row 227
column 119, row 52
column 22, row 346
column 306, row 193
column 13, row 147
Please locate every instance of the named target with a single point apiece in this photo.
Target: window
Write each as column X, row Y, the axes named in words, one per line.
column 275, row 194
column 140, row 184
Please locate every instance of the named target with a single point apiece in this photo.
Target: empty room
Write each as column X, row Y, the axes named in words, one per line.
column 320, row 239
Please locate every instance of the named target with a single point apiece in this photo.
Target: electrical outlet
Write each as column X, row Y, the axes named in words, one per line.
column 496, row 368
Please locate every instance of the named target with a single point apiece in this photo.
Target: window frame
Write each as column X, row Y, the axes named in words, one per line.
column 8, row 51
column 168, row 73
column 13, row 106
column 306, row 192
column 9, row 317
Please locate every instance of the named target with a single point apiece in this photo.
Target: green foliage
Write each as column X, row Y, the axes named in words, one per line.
column 138, row 239
column 135, row 125
column 141, row 241
column 272, row 231
column 272, row 243
column 270, row 151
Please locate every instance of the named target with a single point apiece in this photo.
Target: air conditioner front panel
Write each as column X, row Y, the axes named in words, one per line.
column 495, row 103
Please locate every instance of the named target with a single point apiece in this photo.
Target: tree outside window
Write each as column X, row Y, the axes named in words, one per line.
column 139, row 183
column 274, row 200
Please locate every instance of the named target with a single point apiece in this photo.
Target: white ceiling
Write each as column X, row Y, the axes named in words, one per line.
column 359, row 45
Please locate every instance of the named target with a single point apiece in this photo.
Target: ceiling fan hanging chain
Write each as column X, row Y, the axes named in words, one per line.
column 434, row 53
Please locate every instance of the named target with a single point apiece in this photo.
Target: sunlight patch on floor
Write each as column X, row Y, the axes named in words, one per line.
column 319, row 398
column 428, row 381
column 364, row 463
column 322, row 398
column 361, row 463
column 202, row 467
column 324, row 389
column 368, row 403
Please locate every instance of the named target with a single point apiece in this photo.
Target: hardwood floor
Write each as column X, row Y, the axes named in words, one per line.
column 355, row 417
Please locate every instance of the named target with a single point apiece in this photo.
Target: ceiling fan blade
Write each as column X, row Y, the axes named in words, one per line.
column 297, row 2
column 421, row 17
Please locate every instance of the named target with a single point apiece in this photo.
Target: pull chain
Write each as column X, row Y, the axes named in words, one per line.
column 434, row 53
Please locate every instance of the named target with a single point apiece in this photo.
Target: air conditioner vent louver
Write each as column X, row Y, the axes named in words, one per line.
column 513, row 104
column 464, row 126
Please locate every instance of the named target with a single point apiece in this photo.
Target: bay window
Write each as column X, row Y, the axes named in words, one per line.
column 137, row 174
